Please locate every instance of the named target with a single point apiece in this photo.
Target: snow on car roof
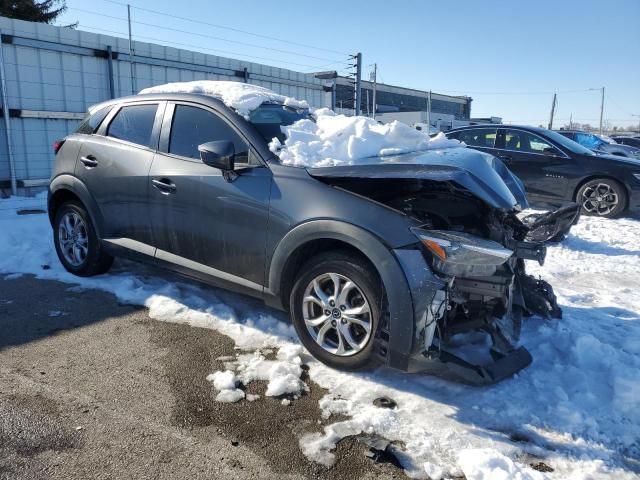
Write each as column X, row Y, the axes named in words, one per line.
column 334, row 140
column 242, row 97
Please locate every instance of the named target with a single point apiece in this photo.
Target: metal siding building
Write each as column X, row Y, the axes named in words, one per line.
column 390, row 98
column 53, row 74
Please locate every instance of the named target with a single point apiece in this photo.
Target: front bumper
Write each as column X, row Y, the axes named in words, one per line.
column 515, row 294
column 452, row 367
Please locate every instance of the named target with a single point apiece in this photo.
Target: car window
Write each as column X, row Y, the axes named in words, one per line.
column 479, row 137
column 134, row 124
column 521, row 141
column 92, row 121
column 193, row 126
column 588, row 140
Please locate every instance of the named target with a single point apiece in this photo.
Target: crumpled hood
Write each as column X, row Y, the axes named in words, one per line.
column 480, row 173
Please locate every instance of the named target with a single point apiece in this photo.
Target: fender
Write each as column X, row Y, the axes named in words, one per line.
column 77, row 187
column 401, row 319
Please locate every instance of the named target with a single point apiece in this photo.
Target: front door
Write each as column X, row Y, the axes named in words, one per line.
column 114, row 164
column 201, row 220
column 541, row 166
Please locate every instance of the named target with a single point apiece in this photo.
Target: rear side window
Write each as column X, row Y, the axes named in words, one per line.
column 480, row 137
column 91, row 123
column 134, row 124
column 193, row 126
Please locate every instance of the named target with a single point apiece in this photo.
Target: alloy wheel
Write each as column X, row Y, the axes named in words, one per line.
column 73, row 238
column 337, row 314
column 600, row 199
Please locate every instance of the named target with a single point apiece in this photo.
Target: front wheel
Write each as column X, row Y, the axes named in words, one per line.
column 335, row 308
column 602, row 197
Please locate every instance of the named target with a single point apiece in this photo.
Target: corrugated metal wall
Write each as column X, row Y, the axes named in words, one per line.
column 58, row 72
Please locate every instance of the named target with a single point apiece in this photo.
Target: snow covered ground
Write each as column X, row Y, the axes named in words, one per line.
column 576, row 408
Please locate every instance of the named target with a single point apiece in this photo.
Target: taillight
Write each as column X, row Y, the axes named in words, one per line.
column 57, row 145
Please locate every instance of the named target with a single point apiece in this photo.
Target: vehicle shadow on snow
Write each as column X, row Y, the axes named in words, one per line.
column 573, row 242
column 531, row 410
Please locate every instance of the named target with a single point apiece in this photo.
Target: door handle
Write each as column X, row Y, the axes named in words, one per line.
column 89, row 161
column 504, row 156
column 164, row 185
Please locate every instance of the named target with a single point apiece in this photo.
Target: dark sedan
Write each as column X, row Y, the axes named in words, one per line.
column 599, row 144
column 556, row 170
column 631, row 141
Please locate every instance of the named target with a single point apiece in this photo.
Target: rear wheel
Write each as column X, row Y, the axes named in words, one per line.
column 77, row 243
column 602, row 197
column 335, row 308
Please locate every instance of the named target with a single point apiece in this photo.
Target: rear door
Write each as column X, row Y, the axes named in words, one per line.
column 202, row 221
column 540, row 165
column 480, row 138
column 114, row 164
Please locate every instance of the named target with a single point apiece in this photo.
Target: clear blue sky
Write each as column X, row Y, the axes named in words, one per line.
column 508, row 55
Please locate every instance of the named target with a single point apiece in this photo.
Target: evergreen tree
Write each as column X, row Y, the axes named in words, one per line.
column 43, row 11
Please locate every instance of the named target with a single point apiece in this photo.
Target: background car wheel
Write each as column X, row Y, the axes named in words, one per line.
column 335, row 309
column 77, row 243
column 602, row 197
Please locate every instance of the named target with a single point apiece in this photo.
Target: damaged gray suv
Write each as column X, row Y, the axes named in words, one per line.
column 380, row 262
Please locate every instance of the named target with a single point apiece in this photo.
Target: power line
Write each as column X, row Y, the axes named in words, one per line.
column 258, row 35
column 206, row 49
column 512, row 93
column 163, row 27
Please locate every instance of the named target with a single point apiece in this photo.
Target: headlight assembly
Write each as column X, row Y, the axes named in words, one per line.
column 462, row 254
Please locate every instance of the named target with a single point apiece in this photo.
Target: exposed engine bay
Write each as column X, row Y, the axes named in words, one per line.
column 479, row 253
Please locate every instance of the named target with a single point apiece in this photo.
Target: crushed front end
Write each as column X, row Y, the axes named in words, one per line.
column 478, row 282
column 466, row 269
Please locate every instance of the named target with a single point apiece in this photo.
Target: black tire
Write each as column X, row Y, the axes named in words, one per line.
column 97, row 261
column 366, row 280
column 593, row 207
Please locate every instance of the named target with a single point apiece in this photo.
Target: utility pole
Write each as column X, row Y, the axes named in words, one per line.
column 375, row 87
column 601, row 110
column 133, row 90
column 368, row 112
column 429, row 114
column 571, row 121
column 553, row 111
column 7, row 123
column 358, row 89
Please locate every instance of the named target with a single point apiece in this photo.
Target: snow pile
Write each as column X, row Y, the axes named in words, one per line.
column 576, row 407
column 225, row 383
column 487, row 464
column 340, row 140
column 282, row 375
column 242, row 97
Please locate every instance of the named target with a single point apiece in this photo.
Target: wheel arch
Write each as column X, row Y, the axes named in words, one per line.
column 67, row 187
column 320, row 234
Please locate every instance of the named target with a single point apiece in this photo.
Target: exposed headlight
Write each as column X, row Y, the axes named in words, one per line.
column 462, row 254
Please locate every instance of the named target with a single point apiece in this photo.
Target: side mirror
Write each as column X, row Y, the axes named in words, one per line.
column 220, row 154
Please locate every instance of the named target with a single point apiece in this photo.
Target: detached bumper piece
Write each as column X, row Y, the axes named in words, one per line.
column 551, row 226
column 452, row 367
column 539, row 298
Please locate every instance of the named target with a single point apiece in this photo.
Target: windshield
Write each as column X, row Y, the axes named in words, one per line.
column 567, row 143
column 268, row 118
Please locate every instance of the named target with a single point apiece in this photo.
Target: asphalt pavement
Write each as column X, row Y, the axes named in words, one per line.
column 92, row 388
